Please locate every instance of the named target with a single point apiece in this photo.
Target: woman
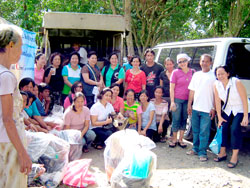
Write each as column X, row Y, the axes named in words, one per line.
column 53, row 77
column 179, row 92
column 15, row 163
column 76, row 87
column 71, row 73
column 233, row 114
column 148, row 126
column 161, row 111
column 117, row 101
column 78, row 117
column 91, row 79
column 40, row 62
column 165, row 77
column 113, row 72
column 99, row 114
column 135, row 78
column 132, row 110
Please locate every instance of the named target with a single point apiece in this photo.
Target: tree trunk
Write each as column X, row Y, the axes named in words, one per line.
column 129, row 38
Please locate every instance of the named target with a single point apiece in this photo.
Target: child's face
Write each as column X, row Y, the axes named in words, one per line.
column 24, row 101
column 35, row 91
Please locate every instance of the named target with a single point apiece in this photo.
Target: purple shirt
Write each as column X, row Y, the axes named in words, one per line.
column 181, row 81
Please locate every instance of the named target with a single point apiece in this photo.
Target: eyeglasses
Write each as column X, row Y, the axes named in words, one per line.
column 184, row 61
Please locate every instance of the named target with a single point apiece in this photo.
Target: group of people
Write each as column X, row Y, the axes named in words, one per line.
column 143, row 93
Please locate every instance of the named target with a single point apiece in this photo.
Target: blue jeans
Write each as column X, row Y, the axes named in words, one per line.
column 180, row 115
column 101, row 135
column 88, row 138
column 232, row 127
column 201, row 123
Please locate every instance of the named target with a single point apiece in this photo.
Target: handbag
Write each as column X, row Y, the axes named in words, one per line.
column 95, row 90
column 215, row 145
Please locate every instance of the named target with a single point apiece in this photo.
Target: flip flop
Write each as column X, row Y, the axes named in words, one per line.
column 182, row 144
column 219, row 159
column 191, row 152
column 203, row 159
column 172, row 144
column 233, row 164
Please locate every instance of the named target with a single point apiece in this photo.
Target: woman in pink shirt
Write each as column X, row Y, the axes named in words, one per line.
column 179, row 92
column 40, row 62
column 116, row 101
column 78, row 117
column 135, row 78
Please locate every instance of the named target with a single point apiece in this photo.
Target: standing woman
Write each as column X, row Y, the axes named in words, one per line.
column 40, row 62
column 113, row 72
column 148, row 126
column 53, row 77
column 135, row 78
column 71, row 74
column 179, row 92
column 117, row 101
column 165, row 77
column 91, row 78
column 15, row 163
column 78, row 117
column 233, row 114
column 99, row 114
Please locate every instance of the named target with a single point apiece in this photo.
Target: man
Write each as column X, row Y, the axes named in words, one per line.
column 44, row 99
column 152, row 71
column 201, row 94
column 82, row 52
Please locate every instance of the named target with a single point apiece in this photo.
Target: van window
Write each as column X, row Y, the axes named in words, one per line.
column 199, row 52
column 238, row 60
column 164, row 54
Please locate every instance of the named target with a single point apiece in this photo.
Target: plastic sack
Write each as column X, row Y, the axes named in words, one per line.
column 56, row 116
column 54, row 155
column 36, row 171
column 73, row 137
column 77, row 174
column 216, row 143
column 121, row 146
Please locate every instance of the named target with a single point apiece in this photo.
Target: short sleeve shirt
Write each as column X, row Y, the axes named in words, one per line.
column 160, row 109
column 146, row 117
column 110, row 72
column 118, row 104
column 56, row 81
column 96, row 71
column 135, row 109
column 38, row 77
column 75, row 120
column 135, row 82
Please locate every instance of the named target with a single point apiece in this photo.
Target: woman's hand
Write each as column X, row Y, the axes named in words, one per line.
column 131, row 115
column 108, row 120
column 173, row 107
column 221, row 120
column 143, row 132
column 133, row 125
column 160, row 129
column 244, row 121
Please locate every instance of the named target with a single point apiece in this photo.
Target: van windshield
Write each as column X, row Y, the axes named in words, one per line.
column 238, row 60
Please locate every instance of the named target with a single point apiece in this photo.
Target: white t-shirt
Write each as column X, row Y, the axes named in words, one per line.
column 8, row 85
column 83, row 54
column 202, row 85
column 234, row 103
column 101, row 111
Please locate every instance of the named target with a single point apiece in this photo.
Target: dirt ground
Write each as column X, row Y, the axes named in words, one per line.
column 176, row 169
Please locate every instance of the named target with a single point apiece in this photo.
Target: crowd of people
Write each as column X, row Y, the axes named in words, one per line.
column 149, row 96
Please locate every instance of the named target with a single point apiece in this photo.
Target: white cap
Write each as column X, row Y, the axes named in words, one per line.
column 180, row 56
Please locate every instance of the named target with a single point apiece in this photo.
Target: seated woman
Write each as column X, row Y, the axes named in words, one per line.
column 99, row 114
column 161, row 111
column 77, row 117
column 117, row 101
column 132, row 110
column 148, row 127
column 76, row 87
column 31, row 124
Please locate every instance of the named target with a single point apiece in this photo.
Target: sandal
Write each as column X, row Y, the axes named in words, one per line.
column 191, row 152
column 203, row 159
column 219, row 159
column 97, row 146
column 163, row 140
column 172, row 144
column 182, row 144
column 232, row 165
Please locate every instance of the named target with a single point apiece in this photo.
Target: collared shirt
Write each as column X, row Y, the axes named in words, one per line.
column 234, row 103
column 121, row 74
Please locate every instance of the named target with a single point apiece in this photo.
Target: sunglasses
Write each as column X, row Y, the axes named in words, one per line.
column 184, row 61
column 79, row 86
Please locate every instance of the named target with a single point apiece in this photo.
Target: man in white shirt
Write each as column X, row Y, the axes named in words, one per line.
column 201, row 94
column 82, row 52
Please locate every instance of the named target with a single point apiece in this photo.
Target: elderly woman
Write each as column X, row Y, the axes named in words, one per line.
column 78, row 117
column 179, row 92
column 40, row 62
column 91, row 78
column 15, row 163
column 135, row 78
column 233, row 114
column 71, row 73
column 99, row 114
column 53, row 77
column 113, row 72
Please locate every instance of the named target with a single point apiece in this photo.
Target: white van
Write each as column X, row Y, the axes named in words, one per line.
column 234, row 52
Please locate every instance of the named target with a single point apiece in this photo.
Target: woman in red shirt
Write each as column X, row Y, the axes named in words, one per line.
column 135, row 78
